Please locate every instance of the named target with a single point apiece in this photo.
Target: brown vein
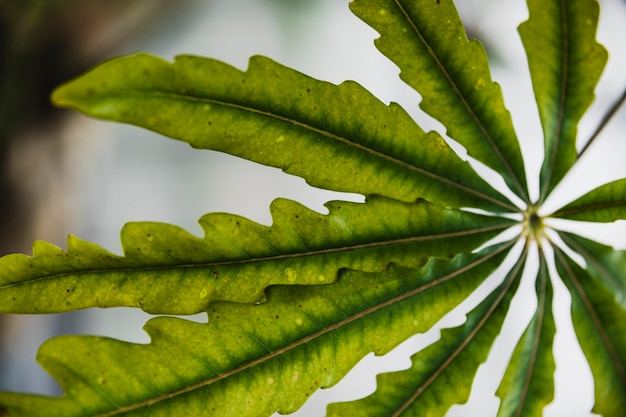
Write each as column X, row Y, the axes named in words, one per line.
column 329, row 135
column 564, row 77
column 481, row 127
column 593, row 316
column 587, row 207
column 328, row 251
column 592, row 259
column 441, row 368
column 301, row 342
column 540, row 316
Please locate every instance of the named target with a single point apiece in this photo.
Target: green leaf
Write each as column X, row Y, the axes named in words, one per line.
column 336, row 137
column 600, row 324
column 528, row 383
column 441, row 375
column 293, row 306
column 606, row 203
column 253, row 360
column 166, row 270
column 427, row 41
column 604, row 263
column 565, row 64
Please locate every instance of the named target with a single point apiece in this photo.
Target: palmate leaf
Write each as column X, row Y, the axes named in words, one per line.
column 441, row 375
column 253, row 360
column 606, row 203
column 528, row 383
column 565, row 64
column 600, row 324
column 336, row 137
column 167, row 270
column 293, row 306
column 428, row 42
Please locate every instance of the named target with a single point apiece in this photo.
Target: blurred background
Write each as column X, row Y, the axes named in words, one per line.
column 62, row 173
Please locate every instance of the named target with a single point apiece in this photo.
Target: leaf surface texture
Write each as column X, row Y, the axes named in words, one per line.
column 428, row 42
column 528, row 383
column 441, row 374
column 253, row 360
column 294, row 305
column 565, row 64
column 167, row 270
column 604, row 204
column 336, row 137
column 600, row 324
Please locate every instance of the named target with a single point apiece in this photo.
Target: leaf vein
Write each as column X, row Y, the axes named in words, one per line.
column 313, row 336
column 455, row 88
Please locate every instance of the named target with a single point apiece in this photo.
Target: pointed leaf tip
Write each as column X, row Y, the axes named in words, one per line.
column 338, row 137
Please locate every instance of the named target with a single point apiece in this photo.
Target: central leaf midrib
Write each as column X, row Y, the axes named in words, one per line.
column 537, row 337
column 602, row 332
column 303, row 254
column 587, row 207
column 560, row 118
column 300, row 342
column 470, row 337
column 483, row 130
column 605, row 273
column 312, row 128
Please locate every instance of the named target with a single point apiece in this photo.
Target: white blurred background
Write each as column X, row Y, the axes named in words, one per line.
column 88, row 178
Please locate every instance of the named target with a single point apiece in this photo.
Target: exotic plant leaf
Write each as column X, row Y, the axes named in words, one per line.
column 293, row 306
column 604, row 204
column 441, row 375
column 528, row 383
column 336, row 137
column 254, row 359
column 565, row 64
column 604, row 263
column 427, row 41
column 600, row 324
column 168, row 271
